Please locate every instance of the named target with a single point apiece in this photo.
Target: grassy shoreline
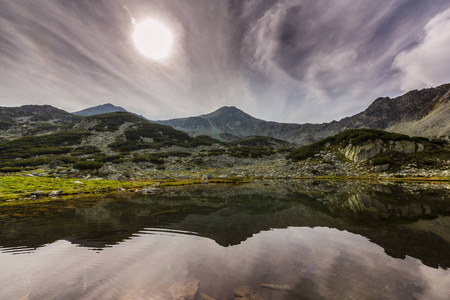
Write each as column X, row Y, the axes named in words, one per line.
column 15, row 189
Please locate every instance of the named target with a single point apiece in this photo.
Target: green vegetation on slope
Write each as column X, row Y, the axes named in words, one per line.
column 55, row 143
column 147, row 135
column 5, row 124
column 112, row 121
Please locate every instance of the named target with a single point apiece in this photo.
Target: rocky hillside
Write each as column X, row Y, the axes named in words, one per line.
column 409, row 114
column 32, row 120
column 100, row 143
column 420, row 113
column 100, row 109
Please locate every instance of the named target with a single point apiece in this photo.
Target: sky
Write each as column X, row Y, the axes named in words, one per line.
column 281, row 60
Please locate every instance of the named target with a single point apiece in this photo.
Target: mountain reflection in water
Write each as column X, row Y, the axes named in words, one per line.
column 324, row 239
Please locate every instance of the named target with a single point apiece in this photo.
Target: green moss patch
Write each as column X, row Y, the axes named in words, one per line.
column 15, row 187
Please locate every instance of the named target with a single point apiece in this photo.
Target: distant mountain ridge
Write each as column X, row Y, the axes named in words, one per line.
column 421, row 113
column 99, row 109
column 416, row 113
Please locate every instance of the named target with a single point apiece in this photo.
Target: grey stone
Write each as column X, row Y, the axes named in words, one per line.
column 420, row 147
column 207, row 176
column 38, row 194
column 363, row 151
column 113, row 176
column 107, row 170
column 185, row 290
column 55, row 163
column 152, row 191
column 122, row 178
column 380, row 168
column 55, row 193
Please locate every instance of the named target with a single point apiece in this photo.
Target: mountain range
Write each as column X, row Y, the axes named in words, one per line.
column 417, row 113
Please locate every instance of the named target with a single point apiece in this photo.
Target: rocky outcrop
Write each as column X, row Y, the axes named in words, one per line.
column 366, row 150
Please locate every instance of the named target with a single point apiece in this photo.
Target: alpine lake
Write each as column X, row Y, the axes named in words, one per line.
column 269, row 239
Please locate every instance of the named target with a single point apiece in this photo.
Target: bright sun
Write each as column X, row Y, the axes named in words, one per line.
column 153, row 39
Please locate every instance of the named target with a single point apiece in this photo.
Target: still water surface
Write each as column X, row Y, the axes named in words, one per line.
column 326, row 240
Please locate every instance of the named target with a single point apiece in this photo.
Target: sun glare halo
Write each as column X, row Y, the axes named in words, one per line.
column 153, row 39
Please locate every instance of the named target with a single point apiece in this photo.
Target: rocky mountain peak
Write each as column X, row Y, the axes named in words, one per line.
column 99, row 109
column 230, row 114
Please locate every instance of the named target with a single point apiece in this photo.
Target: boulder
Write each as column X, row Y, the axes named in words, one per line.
column 205, row 297
column 207, row 176
column 420, row 147
column 246, row 292
column 55, row 163
column 122, row 178
column 113, row 176
column 380, row 168
column 55, row 193
column 107, row 170
column 185, row 290
column 152, row 191
column 37, row 194
column 366, row 150
column 406, row 147
column 363, row 151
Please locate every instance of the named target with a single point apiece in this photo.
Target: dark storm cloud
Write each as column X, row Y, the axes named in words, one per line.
column 291, row 60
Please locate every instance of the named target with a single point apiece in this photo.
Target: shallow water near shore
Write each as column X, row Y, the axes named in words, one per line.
column 323, row 239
